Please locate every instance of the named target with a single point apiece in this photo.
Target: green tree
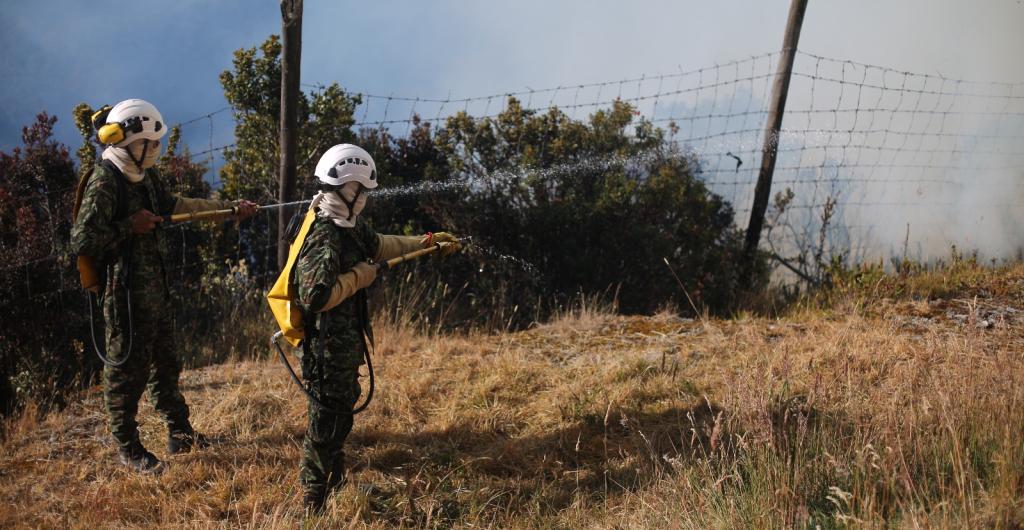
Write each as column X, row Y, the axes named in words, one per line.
column 414, row 161
column 595, row 206
column 250, row 170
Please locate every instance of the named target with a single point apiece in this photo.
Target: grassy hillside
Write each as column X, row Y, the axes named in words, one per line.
column 893, row 401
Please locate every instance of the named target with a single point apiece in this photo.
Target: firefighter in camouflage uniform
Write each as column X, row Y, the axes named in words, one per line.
column 117, row 228
column 335, row 264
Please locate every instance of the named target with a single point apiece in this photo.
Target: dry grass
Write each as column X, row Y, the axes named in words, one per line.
column 881, row 410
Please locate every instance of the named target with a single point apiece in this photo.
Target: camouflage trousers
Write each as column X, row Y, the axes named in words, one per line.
column 152, row 363
column 323, row 459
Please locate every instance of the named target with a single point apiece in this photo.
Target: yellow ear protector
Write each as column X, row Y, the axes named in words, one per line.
column 112, row 133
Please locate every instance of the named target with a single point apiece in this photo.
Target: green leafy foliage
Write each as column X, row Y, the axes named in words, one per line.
column 594, row 206
column 253, row 89
column 557, row 207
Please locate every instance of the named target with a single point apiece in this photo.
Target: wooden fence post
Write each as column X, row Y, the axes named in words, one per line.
column 780, row 89
column 291, row 30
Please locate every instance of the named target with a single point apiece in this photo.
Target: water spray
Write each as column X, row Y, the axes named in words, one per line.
column 593, row 164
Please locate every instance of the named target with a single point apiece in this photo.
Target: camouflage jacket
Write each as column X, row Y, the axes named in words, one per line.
column 328, row 251
column 102, row 229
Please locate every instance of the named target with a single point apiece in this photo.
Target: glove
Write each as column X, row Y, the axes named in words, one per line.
column 365, row 274
column 442, row 237
column 360, row 276
column 394, row 246
column 245, row 209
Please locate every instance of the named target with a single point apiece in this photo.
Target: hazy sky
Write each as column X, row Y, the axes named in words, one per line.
column 58, row 53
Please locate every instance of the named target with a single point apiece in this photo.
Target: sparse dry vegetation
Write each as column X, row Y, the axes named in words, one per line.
column 892, row 401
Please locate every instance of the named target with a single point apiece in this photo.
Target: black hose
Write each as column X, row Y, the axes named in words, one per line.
column 298, row 382
column 93, row 300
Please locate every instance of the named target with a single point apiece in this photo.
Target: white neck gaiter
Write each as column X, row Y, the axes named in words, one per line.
column 334, row 208
column 122, row 158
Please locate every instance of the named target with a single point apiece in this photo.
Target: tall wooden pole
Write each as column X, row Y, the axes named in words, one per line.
column 291, row 32
column 780, row 89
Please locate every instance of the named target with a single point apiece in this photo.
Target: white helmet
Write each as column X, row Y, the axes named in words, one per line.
column 346, row 163
column 138, row 119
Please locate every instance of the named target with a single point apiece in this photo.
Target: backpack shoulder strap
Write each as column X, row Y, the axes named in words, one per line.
column 83, row 184
column 80, row 193
column 122, row 189
column 304, row 235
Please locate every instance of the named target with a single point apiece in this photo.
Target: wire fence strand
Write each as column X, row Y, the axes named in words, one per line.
column 887, row 148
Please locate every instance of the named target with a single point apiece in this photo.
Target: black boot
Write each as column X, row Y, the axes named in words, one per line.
column 314, row 500
column 184, row 441
column 135, row 456
column 336, row 478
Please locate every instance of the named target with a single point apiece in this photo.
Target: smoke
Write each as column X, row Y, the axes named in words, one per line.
column 919, row 169
column 914, row 164
column 910, row 164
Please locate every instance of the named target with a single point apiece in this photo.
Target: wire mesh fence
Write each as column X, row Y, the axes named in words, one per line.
column 872, row 161
column 897, row 152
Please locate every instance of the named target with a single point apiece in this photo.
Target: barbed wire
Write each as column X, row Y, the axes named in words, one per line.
column 207, row 116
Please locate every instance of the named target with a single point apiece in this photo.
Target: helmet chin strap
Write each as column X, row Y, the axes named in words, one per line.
column 145, row 149
column 351, row 205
